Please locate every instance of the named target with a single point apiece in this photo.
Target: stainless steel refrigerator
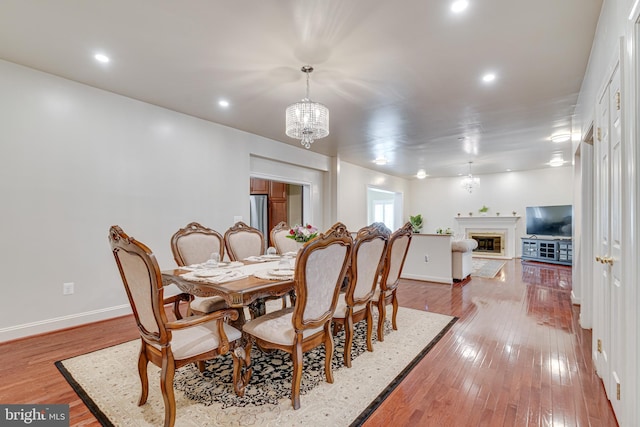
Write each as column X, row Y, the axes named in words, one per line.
column 259, row 214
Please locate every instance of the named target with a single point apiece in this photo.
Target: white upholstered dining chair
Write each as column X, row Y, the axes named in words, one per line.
column 320, row 268
column 354, row 305
column 171, row 345
column 243, row 241
column 385, row 294
column 194, row 244
column 279, row 239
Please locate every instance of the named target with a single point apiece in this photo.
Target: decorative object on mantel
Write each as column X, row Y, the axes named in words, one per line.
column 483, row 210
column 497, row 213
column 469, row 182
column 514, row 213
column 307, row 120
column 302, row 234
column 416, row 223
column 470, row 213
column 447, row 231
column 458, row 213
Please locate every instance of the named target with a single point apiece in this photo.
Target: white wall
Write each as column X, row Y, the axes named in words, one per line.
column 75, row 160
column 439, row 200
column 352, row 193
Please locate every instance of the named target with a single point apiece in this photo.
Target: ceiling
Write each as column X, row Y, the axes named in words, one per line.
column 402, row 80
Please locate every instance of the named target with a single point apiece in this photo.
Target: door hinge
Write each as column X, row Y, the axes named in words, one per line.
column 599, row 134
column 599, row 346
column 618, row 391
column 618, row 100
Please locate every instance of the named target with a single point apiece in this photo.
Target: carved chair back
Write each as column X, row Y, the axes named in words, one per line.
column 194, row 244
column 243, row 241
column 280, row 240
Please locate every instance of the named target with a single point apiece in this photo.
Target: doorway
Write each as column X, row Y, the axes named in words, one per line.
column 273, row 202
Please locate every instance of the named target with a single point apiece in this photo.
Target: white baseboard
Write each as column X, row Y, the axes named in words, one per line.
column 575, row 300
column 48, row 325
column 437, row 279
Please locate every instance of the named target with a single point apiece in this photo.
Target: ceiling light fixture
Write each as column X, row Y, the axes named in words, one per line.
column 422, row 174
column 488, row 78
column 470, row 182
column 101, row 58
column 561, row 137
column 223, row 103
column 380, row 161
column 459, row 6
column 307, row 120
column 556, row 160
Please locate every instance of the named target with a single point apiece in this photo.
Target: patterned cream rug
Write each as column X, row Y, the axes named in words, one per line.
column 487, row 268
column 107, row 381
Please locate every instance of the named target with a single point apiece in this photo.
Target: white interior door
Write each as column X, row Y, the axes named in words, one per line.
column 609, row 327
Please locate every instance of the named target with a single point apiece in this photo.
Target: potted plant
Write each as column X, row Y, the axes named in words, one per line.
column 483, row 210
column 416, row 223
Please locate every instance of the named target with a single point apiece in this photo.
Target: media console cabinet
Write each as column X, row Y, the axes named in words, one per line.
column 554, row 251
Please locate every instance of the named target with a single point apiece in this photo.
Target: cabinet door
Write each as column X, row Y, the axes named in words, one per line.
column 259, row 186
column 277, row 191
column 277, row 212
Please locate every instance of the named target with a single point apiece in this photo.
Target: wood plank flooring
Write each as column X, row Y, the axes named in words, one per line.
column 516, row 357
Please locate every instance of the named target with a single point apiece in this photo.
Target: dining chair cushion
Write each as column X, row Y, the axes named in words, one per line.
column 368, row 273
column 198, row 339
column 321, row 280
column 245, row 245
column 397, row 255
column 341, row 308
column 208, row 304
column 135, row 270
column 196, row 248
column 276, row 327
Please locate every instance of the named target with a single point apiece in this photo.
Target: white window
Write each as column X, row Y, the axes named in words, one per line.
column 384, row 206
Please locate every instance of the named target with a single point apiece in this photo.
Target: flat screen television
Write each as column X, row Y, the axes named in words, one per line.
column 549, row 220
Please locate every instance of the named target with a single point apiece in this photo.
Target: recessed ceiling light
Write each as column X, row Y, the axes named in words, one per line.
column 488, row 78
column 223, row 103
column 101, row 58
column 380, row 161
column 561, row 137
column 556, row 160
column 459, row 5
column 508, row 170
column 422, row 174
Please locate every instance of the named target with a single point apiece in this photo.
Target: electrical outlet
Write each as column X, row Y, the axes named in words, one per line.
column 426, row 258
column 67, row 288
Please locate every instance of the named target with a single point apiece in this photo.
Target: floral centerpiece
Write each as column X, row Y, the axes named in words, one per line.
column 303, row 234
column 445, row 231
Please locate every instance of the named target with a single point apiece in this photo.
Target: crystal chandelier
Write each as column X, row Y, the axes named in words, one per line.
column 307, row 120
column 470, row 183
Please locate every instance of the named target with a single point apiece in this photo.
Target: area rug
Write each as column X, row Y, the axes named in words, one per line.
column 107, row 381
column 487, row 268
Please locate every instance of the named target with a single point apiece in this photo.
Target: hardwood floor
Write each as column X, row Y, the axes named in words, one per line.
column 516, row 357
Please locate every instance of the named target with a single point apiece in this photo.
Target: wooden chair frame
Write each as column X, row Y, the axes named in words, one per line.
column 193, row 228
column 240, row 227
column 213, row 303
column 365, row 236
column 339, row 235
column 391, row 276
column 156, row 341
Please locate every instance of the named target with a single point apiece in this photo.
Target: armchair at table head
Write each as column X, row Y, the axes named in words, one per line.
column 320, row 267
column 396, row 253
column 243, row 241
column 280, row 241
column 354, row 305
column 194, row 244
column 171, row 345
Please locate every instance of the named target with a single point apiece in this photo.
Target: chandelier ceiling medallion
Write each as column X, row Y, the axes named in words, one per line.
column 307, row 120
column 469, row 182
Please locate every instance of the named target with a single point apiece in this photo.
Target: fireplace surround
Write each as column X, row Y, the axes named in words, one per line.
column 488, row 229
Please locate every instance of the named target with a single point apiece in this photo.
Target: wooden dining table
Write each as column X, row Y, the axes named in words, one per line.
column 250, row 291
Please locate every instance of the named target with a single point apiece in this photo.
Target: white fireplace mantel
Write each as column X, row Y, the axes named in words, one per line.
column 498, row 224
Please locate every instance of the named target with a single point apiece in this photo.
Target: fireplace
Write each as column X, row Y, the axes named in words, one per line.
column 496, row 235
column 488, row 243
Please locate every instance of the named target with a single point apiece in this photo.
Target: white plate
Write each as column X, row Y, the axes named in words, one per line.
column 206, row 273
column 281, row 272
column 270, row 256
